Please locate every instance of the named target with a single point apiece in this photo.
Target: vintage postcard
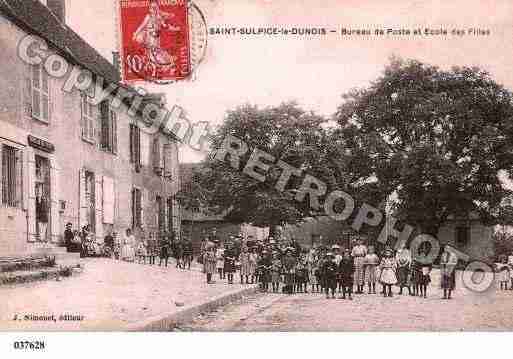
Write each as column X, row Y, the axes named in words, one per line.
column 255, row 166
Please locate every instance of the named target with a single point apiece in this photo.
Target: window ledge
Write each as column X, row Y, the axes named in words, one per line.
column 47, row 122
column 85, row 139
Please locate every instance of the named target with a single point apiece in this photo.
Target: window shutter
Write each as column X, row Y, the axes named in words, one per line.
column 138, row 146
column 36, row 90
column 82, row 117
column 114, row 131
column 168, row 161
column 132, row 144
column 134, row 209
column 105, row 126
column 27, row 91
column 83, row 205
column 19, row 178
column 156, row 155
column 50, row 97
column 98, row 206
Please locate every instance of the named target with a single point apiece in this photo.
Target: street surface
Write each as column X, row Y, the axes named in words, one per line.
column 467, row 311
column 109, row 294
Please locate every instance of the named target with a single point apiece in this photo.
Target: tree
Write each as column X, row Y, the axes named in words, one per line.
column 287, row 132
column 435, row 139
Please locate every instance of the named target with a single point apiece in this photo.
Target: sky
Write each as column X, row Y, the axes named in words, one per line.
column 314, row 71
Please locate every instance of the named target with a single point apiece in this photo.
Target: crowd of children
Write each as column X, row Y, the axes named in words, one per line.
column 287, row 268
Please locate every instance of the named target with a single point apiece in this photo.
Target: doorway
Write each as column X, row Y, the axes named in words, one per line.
column 43, row 198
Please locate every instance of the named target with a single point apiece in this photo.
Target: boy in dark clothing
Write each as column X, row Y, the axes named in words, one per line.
column 264, row 267
column 330, row 272
column 346, row 272
column 187, row 253
column 164, row 249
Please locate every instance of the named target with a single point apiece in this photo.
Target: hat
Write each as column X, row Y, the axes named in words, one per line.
column 335, row 246
column 329, row 254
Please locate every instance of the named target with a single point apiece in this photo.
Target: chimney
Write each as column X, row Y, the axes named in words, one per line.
column 58, row 7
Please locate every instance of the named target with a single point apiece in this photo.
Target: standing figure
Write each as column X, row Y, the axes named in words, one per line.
column 209, row 263
column 346, row 274
column 420, row 275
column 164, row 248
column 403, row 260
column 177, row 251
column 84, row 238
column 330, row 273
column 245, row 265
column 151, row 248
column 289, row 266
column 338, row 257
column 503, row 272
column 220, row 260
column 359, row 252
column 229, row 262
column 510, row 263
column 41, row 214
column 301, row 276
column 264, row 268
column 387, row 276
column 128, row 249
column 371, row 263
column 187, row 253
column 275, row 273
column 448, row 262
column 253, row 259
column 141, row 251
column 313, row 272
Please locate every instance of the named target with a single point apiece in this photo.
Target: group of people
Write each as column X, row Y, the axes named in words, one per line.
column 144, row 249
column 284, row 266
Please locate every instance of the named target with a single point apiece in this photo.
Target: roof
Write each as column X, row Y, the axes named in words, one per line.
column 33, row 16
column 36, row 18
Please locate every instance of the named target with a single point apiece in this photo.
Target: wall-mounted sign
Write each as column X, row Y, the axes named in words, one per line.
column 41, row 144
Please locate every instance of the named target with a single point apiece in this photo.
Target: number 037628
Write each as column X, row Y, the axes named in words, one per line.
column 29, row 345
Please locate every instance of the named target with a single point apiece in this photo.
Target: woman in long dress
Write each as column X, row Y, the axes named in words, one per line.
column 245, row 267
column 371, row 266
column 359, row 252
column 128, row 249
column 448, row 262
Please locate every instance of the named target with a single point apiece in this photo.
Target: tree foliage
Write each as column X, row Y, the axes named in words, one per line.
column 286, row 132
column 436, row 139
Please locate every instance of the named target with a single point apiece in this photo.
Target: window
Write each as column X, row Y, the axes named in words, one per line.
column 88, row 114
column 12, row 184
column 135, row 145
column 462, row 236
column 136, row 208
column 40, row 93
column 108, row 128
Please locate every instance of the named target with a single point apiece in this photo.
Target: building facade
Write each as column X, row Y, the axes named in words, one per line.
column 199, row 221
column 64, row 159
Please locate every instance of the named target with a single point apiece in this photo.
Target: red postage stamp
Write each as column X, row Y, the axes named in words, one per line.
column 155, row 44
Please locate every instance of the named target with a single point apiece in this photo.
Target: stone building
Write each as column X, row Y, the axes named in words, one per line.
column 199, row 221
column 65, row 159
